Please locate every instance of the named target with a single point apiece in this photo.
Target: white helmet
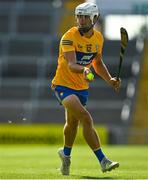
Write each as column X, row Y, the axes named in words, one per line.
column 89, row 9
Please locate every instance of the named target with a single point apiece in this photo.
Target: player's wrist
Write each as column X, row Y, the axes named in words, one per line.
column 86, row 70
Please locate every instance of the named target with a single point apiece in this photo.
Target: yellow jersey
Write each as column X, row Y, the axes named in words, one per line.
column 85, row 49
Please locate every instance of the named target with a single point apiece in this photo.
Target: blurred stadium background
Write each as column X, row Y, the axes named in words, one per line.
column 30, row 31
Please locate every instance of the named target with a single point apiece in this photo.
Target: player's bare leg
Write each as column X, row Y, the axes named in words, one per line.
column 70, row 128
column 70, row 131
column 72, row 104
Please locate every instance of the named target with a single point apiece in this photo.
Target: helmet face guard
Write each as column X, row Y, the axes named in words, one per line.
column 88, row 9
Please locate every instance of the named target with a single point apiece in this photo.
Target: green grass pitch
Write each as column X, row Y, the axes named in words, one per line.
column 42, row 162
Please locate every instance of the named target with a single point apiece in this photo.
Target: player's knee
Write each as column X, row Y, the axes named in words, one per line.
column 72, row 124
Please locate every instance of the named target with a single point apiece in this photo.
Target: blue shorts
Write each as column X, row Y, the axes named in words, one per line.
column 62, row 92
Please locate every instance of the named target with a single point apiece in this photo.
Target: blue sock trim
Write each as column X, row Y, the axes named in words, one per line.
column 99, row 154
column 67, row 151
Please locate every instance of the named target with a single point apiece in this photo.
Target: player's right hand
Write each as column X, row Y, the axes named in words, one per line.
column 88, row 75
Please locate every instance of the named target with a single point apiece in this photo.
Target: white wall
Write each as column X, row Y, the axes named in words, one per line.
column 117, row 6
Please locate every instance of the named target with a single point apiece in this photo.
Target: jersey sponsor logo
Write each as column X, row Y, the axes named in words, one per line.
column 83, row 62
column 67, row 42
column 84, row 58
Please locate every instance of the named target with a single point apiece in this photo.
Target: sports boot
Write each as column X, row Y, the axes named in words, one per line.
column 108, row 165
column 65, row 166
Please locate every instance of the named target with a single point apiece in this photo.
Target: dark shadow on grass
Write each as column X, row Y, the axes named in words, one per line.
column 93, row 177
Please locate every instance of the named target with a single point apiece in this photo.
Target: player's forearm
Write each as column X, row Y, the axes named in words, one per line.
column 70, row 57
column 75, row 67
column 103, row 72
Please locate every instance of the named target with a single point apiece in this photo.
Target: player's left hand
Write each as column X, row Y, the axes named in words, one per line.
column 115, row 83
